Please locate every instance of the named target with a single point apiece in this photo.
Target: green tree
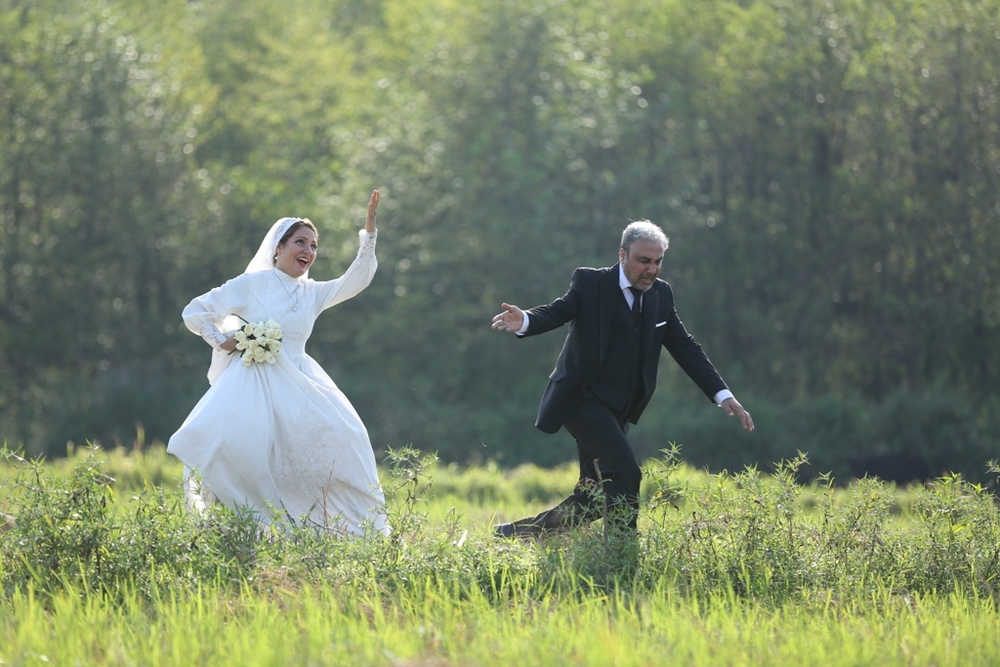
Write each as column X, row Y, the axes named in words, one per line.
column 94, row 190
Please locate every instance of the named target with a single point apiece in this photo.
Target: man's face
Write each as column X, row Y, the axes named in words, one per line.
column 642, row 262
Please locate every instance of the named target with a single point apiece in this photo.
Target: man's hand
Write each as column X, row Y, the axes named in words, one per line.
column 733, row 407
column 511, row 319
column 372, row 209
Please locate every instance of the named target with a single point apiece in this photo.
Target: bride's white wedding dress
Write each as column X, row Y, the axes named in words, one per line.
column 281, row 437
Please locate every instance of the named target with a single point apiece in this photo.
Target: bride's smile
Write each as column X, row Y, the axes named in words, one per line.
column 297, row 254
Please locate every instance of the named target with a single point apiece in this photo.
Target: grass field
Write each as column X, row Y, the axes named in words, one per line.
column 105, row 566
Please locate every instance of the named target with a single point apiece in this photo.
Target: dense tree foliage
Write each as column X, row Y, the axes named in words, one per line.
column 827, row 172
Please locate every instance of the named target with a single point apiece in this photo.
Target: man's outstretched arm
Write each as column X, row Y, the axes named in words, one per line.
column 511, row 319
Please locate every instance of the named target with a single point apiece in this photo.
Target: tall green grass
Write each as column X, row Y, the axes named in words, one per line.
column 434, row 623
column 105, row 568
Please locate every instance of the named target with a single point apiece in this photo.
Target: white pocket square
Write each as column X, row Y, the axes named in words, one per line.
column 660, row 324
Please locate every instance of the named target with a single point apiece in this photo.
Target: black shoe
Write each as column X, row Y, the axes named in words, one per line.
column 521, row 531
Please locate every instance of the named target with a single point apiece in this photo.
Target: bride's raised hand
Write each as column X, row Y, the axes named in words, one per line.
column 372, row 208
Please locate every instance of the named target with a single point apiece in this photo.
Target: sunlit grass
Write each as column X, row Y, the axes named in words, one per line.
column 730, row 569
column 437, row 625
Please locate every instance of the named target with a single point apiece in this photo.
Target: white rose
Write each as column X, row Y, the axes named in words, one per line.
column 247, row 360
column 269, row 357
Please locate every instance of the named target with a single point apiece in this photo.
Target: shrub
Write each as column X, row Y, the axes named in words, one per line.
column 751, row 534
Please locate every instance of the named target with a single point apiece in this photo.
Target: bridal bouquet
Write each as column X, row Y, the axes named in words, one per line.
column 258, row 342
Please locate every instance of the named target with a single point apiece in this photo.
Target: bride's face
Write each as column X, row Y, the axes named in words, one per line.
column 297, row 254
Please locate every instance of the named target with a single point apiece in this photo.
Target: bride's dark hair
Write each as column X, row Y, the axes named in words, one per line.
column 301, row 222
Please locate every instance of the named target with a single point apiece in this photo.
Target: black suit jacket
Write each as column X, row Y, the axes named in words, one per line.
column 588, row 308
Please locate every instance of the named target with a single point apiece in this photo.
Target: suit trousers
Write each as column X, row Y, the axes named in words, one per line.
column 607, row 462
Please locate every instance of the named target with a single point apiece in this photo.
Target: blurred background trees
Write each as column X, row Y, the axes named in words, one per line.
column 827, row 173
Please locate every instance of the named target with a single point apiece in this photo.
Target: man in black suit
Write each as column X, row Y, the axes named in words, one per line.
column 619, row 317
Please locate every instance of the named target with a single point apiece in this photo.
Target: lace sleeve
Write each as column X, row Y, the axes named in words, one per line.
column 207, row 315
column 367, row 249
column 212, row 335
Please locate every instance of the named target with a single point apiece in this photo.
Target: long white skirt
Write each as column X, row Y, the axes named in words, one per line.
column 283, row 441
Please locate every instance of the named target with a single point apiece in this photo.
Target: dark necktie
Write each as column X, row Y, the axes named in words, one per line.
column 636, row 302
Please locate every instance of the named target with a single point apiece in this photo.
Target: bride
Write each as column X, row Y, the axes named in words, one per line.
column 275, row 434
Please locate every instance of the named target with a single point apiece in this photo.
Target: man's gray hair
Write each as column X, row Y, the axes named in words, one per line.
column 643, row 229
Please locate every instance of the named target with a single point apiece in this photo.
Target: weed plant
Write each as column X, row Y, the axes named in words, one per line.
column 760, row 550
column 747, row 532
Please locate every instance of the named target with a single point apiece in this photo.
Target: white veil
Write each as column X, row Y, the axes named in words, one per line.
column 263, row 260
